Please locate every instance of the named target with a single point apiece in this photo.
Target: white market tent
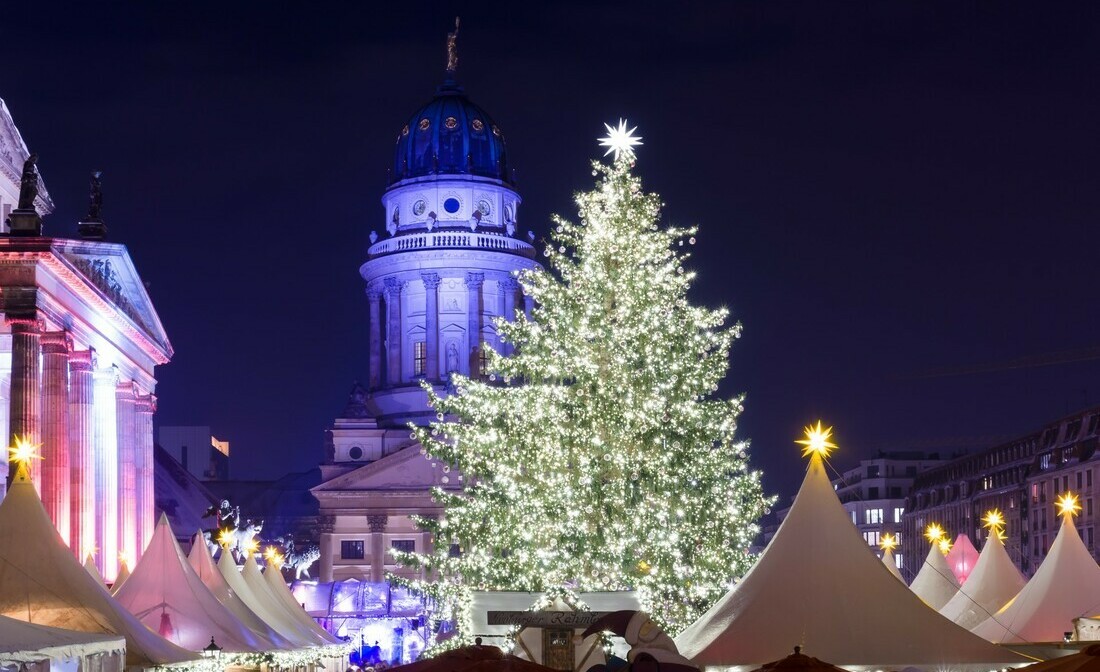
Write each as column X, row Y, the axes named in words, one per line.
column 891, row 564
column 31, row 647
column 818, row 585
column 123, row 574
column 994, row 581
column 200, row 561
column 1066, row 586
column 89, row 566
column 275, row 583
column 42, row 583
column 166, row 594
column 263, row 608
column 250, row 572
column 935, row 583
column 962, row 557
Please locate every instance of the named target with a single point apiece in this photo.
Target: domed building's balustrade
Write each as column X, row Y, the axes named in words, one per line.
column 451, row 240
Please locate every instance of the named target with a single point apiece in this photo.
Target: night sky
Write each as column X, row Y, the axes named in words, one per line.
column 898, row 200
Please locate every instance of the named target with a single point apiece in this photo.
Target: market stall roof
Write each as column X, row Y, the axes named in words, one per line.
column 935, row 583
column 167, row 595
column 818, row 584
column 1066, row 586
column 22, row 642
column 261, row 606
column 275, row 583
column 251, row 574
column 994, row 581
column 42, row 583
column 962, row 557
column 200, row 561
column 891, row 564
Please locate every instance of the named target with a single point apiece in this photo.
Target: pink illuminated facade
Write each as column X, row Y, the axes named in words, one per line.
column 79, row 342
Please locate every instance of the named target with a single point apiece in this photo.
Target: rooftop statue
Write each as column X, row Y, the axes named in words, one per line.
column 95, row 197
column 452, row 50
column 28, row 183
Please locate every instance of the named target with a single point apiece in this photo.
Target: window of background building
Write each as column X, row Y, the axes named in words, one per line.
column 420, row 353
column 854, row 518
column 1044, row 461
column 873, row 516
column 1065, row 483
column 872, row 471
column 1088, row 477
column 871, row 538
column 898, row 513
column 898, row 561
column 483, row 359
column 351, row 549
column 1088, row 506
column 403, row 545
column 1079, row 480
column 872, row 493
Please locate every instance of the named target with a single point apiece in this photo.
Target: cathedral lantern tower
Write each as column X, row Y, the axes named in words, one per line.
column 440, row 269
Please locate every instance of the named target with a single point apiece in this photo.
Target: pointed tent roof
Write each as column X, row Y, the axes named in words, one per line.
column 818, row 584
column 227, row 566
column 962, row 558
column 1065, row 586
column 123, row 574
column 274, row 579
column 935, row 583
column 200, row 561
column 163, row 586
column 27, row 643
column 891, row 564
column 255, row 580
column 42, row 583
column 994, row 581
column 93, row 571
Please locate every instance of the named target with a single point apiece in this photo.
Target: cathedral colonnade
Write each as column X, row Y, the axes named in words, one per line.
column 96, row 434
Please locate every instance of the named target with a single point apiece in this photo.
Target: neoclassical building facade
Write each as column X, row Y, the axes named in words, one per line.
column 79, row 342
column 439, row 272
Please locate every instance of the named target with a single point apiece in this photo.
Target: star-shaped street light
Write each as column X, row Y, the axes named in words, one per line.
column 888, row 542
column 817, row 441
column 620, row 140
column 22, row 454
column 945, row 546
column 995, row 521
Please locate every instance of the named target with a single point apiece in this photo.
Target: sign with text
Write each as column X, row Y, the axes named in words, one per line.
column 546, row 619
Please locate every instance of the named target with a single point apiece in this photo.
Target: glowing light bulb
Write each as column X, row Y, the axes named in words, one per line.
column 226, row 538
column 933, row 532
column 1067, row 504
column 888, row 542
column 817, row 441
column 23, row 452
column 993, row 519
column 945, row 546
column 252, row 547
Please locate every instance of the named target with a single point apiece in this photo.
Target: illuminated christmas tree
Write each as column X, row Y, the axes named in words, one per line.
column 594, row 456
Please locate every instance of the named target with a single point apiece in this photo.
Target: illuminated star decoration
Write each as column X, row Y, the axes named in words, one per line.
column 123, row 559
column 620, row 140
column 252, row 547
column 225, row 538
column 22, row 453
column 995, row 521
column 90, row 550
column 1067, row 505
column 817, row 441
column 933, row 532
column 888, row 542
column 945, row 546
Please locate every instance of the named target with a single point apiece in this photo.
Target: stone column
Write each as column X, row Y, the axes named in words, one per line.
column 144, row 408
column 55, row 468
column 326, row 525
column 125, row 397
column 510, row 286
column 473, row 313
column 431, row 324
column 393, row 332
column 105, row 449
column 374, row 297
column 377, row 524
column 81, row 458
column 26, row 397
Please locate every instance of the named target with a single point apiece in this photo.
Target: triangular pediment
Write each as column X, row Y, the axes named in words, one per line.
column 405, row 469
column 108, row 269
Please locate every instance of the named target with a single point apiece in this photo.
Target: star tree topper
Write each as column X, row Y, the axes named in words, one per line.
column 620, row 139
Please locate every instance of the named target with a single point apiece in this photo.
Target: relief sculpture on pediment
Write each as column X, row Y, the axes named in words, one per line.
column 104, row 276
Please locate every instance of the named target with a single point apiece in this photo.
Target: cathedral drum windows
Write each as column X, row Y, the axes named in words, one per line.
column 420, row 358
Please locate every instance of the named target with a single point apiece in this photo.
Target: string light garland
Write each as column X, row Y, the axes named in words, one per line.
column 596, row 456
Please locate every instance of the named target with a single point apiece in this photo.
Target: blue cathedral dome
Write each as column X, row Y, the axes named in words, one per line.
column 450, row 136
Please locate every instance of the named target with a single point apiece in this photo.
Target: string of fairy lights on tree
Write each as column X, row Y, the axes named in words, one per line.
column 596, row 455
